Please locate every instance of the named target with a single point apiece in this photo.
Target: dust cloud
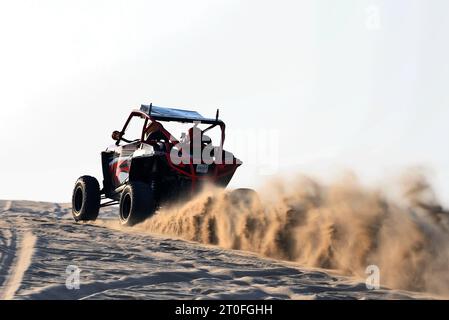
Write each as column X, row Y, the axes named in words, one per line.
column 342, row 225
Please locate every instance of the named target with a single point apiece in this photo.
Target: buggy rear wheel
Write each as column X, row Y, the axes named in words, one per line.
column 86, row 199
column 136, row 203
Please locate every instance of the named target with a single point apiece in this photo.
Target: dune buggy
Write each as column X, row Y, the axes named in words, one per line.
column 149, row 167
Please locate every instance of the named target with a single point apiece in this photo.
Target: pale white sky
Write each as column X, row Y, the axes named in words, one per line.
column 349, row 84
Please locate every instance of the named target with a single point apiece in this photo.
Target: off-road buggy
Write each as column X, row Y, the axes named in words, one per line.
column 144, row 171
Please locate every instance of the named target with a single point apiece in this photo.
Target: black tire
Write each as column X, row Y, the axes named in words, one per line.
column 86, row 199
column 245, row 197
column 136, row 203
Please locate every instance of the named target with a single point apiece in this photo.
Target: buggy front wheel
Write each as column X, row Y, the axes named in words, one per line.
column 86, row 199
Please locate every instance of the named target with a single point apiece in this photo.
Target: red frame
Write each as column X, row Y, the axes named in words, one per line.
column 192, row 174
column 138, row 113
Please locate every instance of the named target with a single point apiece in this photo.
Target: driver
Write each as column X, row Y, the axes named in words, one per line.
column 196, row 134
column 197, row 138
column 154, row 132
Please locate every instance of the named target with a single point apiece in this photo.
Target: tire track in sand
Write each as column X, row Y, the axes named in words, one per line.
column 19, row 266
column 8, row 249
column 7, row 206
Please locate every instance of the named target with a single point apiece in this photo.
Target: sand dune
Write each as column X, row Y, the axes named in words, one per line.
column 38, row 241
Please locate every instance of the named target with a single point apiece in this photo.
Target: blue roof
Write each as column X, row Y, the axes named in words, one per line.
column 176, row 114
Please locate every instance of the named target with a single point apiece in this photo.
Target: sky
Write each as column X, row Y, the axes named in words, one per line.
column 317, row 86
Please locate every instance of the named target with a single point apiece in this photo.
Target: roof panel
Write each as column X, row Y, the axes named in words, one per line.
column 173, row 113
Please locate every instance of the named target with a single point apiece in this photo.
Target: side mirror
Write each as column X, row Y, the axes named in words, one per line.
column 116, row 135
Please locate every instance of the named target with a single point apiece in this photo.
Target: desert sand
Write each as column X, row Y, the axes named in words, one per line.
column 38, row 241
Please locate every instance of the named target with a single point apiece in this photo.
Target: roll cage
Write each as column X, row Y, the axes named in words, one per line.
column 152, row 113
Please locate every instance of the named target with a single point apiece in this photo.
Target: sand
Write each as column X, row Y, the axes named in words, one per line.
column 38, row 241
